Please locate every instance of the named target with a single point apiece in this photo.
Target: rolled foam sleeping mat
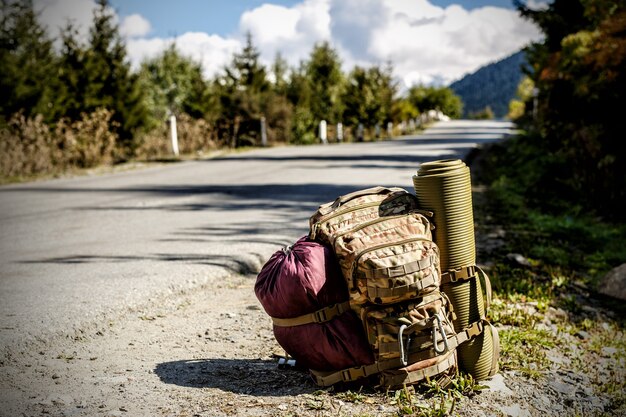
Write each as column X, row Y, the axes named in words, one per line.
column 444, row 187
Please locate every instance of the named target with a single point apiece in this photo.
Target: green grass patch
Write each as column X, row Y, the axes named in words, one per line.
column 524, row 350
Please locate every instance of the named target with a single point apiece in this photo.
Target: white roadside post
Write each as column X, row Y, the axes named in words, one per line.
column 174, row 134
column 323, row 132
column 263, row 132
column 535, row 102
column 339, row 132
column 389, row 129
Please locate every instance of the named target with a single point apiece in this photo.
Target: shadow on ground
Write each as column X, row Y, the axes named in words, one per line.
column 240, row 376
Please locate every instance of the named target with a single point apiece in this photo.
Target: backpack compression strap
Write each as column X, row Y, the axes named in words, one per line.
column 400, row 377
column 398, row 270
column 320, row 316
column 466, row 273
column 326, row 379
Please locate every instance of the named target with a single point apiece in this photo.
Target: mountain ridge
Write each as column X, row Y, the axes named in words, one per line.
column 492, row 85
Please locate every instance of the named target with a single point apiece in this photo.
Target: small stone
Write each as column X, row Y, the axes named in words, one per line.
column 55, row 376
column 496, row 384
column 518, row 258
column 282, row 407
column 515, row 410
column 583, row 335
column 613, row 284
column 608, row 351
column 563, row 388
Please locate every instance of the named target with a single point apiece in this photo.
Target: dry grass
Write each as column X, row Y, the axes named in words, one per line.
column 30, row 147
column 195, row 136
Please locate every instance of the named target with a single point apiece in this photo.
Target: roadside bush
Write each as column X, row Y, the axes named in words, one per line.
column 85, row 143
column 194, row 136
column 28, row 146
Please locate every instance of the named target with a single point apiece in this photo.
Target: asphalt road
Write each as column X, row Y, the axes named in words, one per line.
column 74, row 252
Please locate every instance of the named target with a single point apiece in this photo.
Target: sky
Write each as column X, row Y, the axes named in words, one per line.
column 428, row 41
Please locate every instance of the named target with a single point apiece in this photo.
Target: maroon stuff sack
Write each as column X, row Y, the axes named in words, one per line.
column 303, row 290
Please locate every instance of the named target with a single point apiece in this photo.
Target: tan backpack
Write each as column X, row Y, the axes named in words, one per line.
column 392, row 269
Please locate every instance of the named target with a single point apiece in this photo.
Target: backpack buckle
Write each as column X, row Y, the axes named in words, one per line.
column 320, row 316
column 404, row 352
column 439, row 325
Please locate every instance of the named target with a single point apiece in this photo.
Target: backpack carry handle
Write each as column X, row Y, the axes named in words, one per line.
column 345, row 198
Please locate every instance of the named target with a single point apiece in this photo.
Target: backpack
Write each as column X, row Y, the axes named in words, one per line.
column 392, row 270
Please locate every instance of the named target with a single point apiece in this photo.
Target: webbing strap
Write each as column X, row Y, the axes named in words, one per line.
column 420, row 344
column 496, row 350
column 460, row 274
column 320, row 316
column 416, row 376
column 327, row 208
column 398, row 270
column 488, row 290
column 377, row 292
column 466, row 273
column 326, row 379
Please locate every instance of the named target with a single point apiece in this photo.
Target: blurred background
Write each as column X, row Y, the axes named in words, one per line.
column 86, row 83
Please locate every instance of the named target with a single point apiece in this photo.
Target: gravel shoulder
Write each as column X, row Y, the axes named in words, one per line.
column 211, row 352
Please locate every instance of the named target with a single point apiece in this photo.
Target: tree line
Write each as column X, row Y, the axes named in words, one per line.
column 571, row 102
column 82, row 98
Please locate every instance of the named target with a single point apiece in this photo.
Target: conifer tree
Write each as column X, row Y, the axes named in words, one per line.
column 110, row 81
column 174, row 85
column 26, row 61
column 72, row 81
column 240, row 91
column 325, row 80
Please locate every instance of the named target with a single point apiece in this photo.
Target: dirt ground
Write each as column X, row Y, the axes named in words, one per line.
column 212, row 353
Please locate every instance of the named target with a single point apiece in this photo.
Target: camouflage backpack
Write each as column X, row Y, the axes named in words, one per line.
column 392, row 269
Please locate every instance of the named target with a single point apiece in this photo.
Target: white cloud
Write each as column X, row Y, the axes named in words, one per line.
column 211, row 51
column 538, row 4
column 135, row 25
column 432, row 44
column 55, row 14
column 426, row 43
column 292, row 31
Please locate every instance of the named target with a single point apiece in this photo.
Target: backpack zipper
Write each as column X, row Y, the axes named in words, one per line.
column 379, row 219
column 339, row 212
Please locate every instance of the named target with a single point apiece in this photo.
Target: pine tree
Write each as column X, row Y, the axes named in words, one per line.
column 241, row 89
column 71, row 79
column 174, row 85
column 110, row 81
column 325, row 80
column 26, row 62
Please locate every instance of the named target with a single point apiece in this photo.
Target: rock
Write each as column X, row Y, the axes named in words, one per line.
column 497, row 384
column 583, row 334
column 608, row 351
column 613, row 284
column 563, row 388
column 518, row 258
column 515, row 411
